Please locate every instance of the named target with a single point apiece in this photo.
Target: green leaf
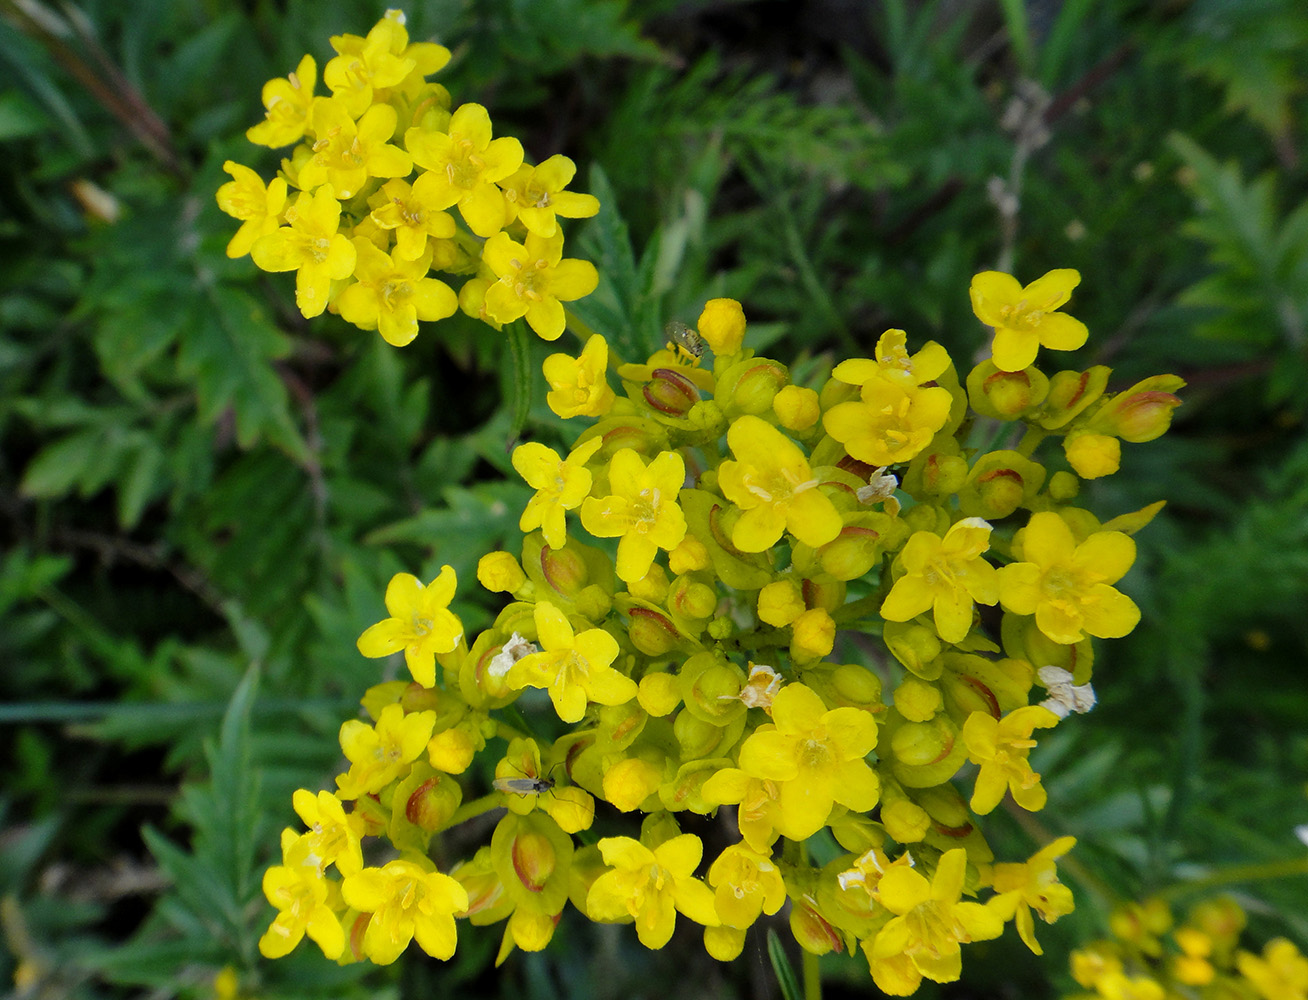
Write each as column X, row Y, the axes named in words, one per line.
column 785, row 972
column 19, row 117
column 60, row 466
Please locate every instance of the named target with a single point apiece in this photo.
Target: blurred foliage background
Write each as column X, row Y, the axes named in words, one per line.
column 202, row 494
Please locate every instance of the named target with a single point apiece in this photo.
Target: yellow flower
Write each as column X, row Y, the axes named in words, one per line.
column 1119, row 986
column 1024, row 318
column 772, row 483
column 333, row 837
column 346, row 153
column 929, row 924
column 573, row 668
column 579, row 386
column 535, row 281
column 815, row 756
column 535, row 196
column 1280, row 974
column 1001, row 746
column 466, row 163
column 420, row 623
column 946, row 575
column 300, row 894
column 892, row 420
column 759, row 815
column 391, row 296
column 311, row 246
column 747, row 885
column 379, row 755
column 257, row 207
column 1068, row 586
column 893, row 363
column 560, row 484
column 408, row 901
column 641, row 511
column 287, row 102
column 382, row 60
column 1034, row 885
column 649, row 887
column 410, row 213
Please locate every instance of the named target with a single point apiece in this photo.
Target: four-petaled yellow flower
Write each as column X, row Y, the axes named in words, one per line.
column 1034, row 885
column 300, row 894
column 747, row 884
column 535, row 196
column 420, row 623
column 929, row 924
column 287, row 102
column 579, row 386
column 392, row 295
column 772, row 483
column 257, row 207
column 333, row 837
column 893, row 419
column 408, row 901
column 641, row 510
column 573, row 667
column 1068, row 586
column 560, row 484
column 379, row 62
column 311, row 246
column 815, row 756
column 535, row 281
column 347, row 152
column 378, row 755
column 1001, row 746
column 1024, row 318
column 466, row 163
column 409, row 212
column 946, row 575
column 1280, row 974
column 649, row 887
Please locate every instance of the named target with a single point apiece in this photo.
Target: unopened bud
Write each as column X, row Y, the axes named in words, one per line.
column 722, row 325
column 1141, row 413
column 670, row 392
column 630, row 782
column 1093, row 455
column 651, row 632
column 796, row 407
column 1070, row 393
column 750, row 386
column 534, row 859
column 1005, row 395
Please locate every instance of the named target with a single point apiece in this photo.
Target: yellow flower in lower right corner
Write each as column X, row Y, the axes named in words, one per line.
column 922, row 941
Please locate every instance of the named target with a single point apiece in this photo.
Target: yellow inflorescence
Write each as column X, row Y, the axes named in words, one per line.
column 362, row 239
column 1149, row 957
column 688, row 658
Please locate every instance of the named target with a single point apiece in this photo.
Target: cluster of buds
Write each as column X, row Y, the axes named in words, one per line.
column 670, row 649
column 1150, row 957
column 364, row 240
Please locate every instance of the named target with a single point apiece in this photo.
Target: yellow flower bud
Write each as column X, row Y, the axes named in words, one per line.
column 1093, row 455
column 917, row 700
column 689, row 556
column 500, row 573
column 652, row 587
column 1064, row 486
column 1070, row 393
column 722, row 324
column 724, row 943
column 780, row 603
column 813, row 635
column 630, row 782
column 796, row 407
column 905, row 820
column 750, row 386
column 692, row 600
column 1005, row 395
column 1141, row 413
column 659, row 694
column 915, row 646
column 652, row 632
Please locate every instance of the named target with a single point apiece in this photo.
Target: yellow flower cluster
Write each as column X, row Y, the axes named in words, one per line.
column 1150, row 957
column 362, row 239
column 686, row 570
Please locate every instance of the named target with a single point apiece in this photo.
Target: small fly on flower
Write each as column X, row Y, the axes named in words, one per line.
column 525, row 785
column 687, row 342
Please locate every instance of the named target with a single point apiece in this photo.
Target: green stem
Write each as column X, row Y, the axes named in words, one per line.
column 1031, row 440
column 520, row 351
column 1262, row 872
column 857, row 609
column 812, row 975
column 470, row 810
